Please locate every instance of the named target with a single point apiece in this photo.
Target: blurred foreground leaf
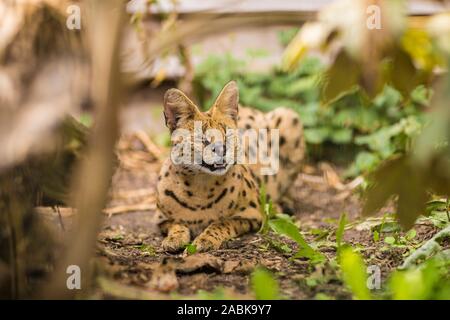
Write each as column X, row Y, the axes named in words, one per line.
column 264, row 285
column 426, row 168
column 397, row 177
column 427, row 281
column 354, row 273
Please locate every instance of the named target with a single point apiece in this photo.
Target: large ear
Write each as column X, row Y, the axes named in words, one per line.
column 177, row 108
column 228, row 100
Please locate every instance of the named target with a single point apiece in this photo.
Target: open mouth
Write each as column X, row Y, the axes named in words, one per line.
column 214, row 167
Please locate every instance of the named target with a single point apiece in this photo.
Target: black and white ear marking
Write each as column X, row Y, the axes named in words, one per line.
column 227, row 103
column 177, row 107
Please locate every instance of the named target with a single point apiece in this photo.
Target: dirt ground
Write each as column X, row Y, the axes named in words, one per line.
column 130, row 263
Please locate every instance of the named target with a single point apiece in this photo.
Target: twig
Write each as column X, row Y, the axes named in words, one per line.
column 126, row 194
column 312, row 179
column 129, row 208
column 149, row 145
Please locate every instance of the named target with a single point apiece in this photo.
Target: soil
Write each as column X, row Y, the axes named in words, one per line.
column 132, row 265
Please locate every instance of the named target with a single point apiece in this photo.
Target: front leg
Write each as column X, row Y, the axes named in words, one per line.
column 218, row 232
column 178, row 236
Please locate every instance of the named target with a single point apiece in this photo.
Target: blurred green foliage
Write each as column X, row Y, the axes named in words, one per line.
column 354, row 273
column 373, row 130
column 264, row 285
column 430, row 280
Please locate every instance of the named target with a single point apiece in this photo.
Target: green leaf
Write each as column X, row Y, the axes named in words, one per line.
column 366, row 161
column 389, row 240
column 278, row 245
column 411, row 234
column 436, row 205
column 264, row 285
column 284, row 227
column 86, row 119
column 421, row 95
column 316, row 135
column 389, row 227
column 191, row 248
column 340, row 230
column 376, row 236
column 354, row 273
column 287, row 228
column 342, row 136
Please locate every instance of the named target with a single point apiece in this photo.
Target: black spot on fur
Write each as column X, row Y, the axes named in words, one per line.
column 221, row 195
column 171, row 194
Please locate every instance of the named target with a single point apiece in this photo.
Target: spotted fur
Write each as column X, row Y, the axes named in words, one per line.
column 210, row 207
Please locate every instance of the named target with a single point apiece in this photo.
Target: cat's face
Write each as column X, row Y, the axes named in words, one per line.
column 204, row 139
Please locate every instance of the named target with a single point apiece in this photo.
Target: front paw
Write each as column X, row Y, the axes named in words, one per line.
column 203, row 244
column 173, row 244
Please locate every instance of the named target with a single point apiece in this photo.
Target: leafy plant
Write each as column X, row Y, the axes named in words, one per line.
column 438, row 211
column 282, row 224
column 289, row 229
column 401, row 241
column 267, row 210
